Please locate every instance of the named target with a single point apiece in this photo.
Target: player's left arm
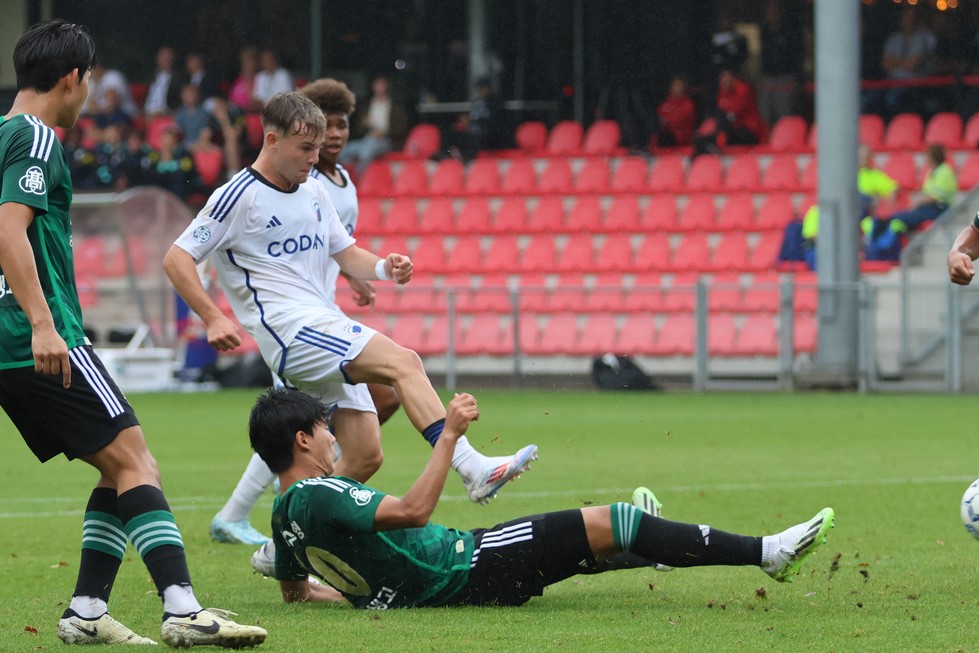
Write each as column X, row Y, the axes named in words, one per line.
column 364, row 293
column 304, row 591
column 361, row 264
column 964, row 251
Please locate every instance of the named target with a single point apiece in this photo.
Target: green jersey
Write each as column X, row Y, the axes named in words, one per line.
column 325, row 527
column 34, row 172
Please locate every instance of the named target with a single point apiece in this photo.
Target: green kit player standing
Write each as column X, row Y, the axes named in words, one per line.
column 380, row 551
column 53, row 386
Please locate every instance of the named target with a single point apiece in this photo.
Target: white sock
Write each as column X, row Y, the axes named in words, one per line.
column 180, row 600
column 769, row 545
column 467, row 461
column 88, row 607
column 249, row 490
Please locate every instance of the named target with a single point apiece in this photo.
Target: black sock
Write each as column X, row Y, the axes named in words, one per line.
column 103, row 545
column 691, row 545
column 151, row 527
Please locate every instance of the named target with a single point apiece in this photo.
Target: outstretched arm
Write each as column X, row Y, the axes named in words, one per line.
column 361, row 264
column 418, row 503
column 964, row 251
column 222, row 333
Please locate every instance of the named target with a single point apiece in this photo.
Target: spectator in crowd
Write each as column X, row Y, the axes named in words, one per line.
column 735, row 121
column 483, row 128
column 728, row 46
column 908, row 54
column 937, row 193
column 163, row 94
column 242, row 88
column 676, row 116
column 172, row 166
column 196, row 124
column 102, row 81
column 81, row 160
column 111, row 112
column 781, row 64
column 384, row 123
column 230, row 123
column 117, row 168
column 203, row 81
column 271, row 79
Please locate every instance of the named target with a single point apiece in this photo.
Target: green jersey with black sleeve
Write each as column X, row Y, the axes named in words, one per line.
column 34, row 172
column 325, row 527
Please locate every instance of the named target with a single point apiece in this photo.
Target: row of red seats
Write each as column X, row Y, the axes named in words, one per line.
column 568, row 335
column 622, row 214
column 583, row 253
column 608, row 293
column 745, row 172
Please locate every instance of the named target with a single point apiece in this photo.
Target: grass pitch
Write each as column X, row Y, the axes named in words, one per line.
column 896, row 574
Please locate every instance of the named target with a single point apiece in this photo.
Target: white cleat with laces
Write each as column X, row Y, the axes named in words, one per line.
column 498, row 472
column 73, row 629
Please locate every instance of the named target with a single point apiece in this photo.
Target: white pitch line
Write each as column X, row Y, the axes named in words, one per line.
column 194, row 504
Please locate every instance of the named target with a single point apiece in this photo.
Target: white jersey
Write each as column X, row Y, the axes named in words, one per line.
column 345, row 200
column 272, row 250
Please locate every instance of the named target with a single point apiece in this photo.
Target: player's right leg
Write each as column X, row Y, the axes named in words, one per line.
column 385, row 399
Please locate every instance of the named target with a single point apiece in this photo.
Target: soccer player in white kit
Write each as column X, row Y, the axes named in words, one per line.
column 271, row 234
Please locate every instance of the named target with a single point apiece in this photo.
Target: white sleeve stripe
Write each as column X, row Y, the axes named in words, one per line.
column 43, row 139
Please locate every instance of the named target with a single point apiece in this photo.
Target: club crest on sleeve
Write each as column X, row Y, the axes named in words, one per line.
column 361, row 496
column 33, row 181
column 354, row 329
column 202, row 234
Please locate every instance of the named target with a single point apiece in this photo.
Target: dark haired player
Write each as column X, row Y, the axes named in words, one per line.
column 380, row 551
column 52, row 385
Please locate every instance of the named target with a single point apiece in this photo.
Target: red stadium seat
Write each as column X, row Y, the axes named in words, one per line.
column 412, row 179
column 602, row 138
column 944, row 128
column 593, row 177
column 970, row 138
column 556, row 177
column 447, row 178
column 392, row 244
column 568, row 295
column 502, row 255
column 758, row 336
column 904, row 132
column 209, row 164
column 559, row 335
column 529, row 331
column 547, row 216
column 474, row 216
column 519, row 178
column 564, row 139
column 483, row 336
column 577, row 254
column 646, row 293
column 676, row 336
column 692, row 254
column 743, row 173
column 438, row 217
column 737, row 214
column 763, row 293
column 782, row 173
column 585, row 215
column 721, row 333
column 598, row 335
column 531, row 136
column 412, row 333
column 630, row 175
column 901, row 167
column 615, row 254
column 724, row 292
column 680, row 296
column 368, row 217
column 429, row 255
column 466, row 256
column 377, row 180
column 870, row 128
column 154, row 131
column 483, row 177
column 706, row 174
column 660, row 214
column 968, row 176
column 511, row 216
column 805, row 293
column 765, row 252
column 698, row 214
column 623, row 214
column 411, row 298
column 637, row 335
column 730, row 252
column 667, row 175
column 492, row 296
column 606, row 295
column 653, row 254
column 423, row 141
column 806, row 333
column 401, row 217
column 540, row 255
column 788, row 134
column 810, row 175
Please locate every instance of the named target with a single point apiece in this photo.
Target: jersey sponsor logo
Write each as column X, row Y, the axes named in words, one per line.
column 202, row 234
column 361, row 496
column 33, row 181
column 274, row 222
column 303, row 243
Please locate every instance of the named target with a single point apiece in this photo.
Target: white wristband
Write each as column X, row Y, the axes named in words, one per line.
column 379, row 270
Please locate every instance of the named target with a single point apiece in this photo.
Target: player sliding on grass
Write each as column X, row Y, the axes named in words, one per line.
column 271, row 234
column 381, row 552
column 53, row 386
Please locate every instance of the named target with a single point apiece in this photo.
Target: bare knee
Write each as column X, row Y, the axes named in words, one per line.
column 407, row 364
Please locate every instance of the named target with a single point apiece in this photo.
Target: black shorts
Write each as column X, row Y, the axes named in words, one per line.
column 78, row 421
column 516, row 560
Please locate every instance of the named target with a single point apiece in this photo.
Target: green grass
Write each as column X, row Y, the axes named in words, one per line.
column 897, row 573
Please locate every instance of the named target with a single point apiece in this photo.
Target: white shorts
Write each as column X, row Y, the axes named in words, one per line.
column 316, row 356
